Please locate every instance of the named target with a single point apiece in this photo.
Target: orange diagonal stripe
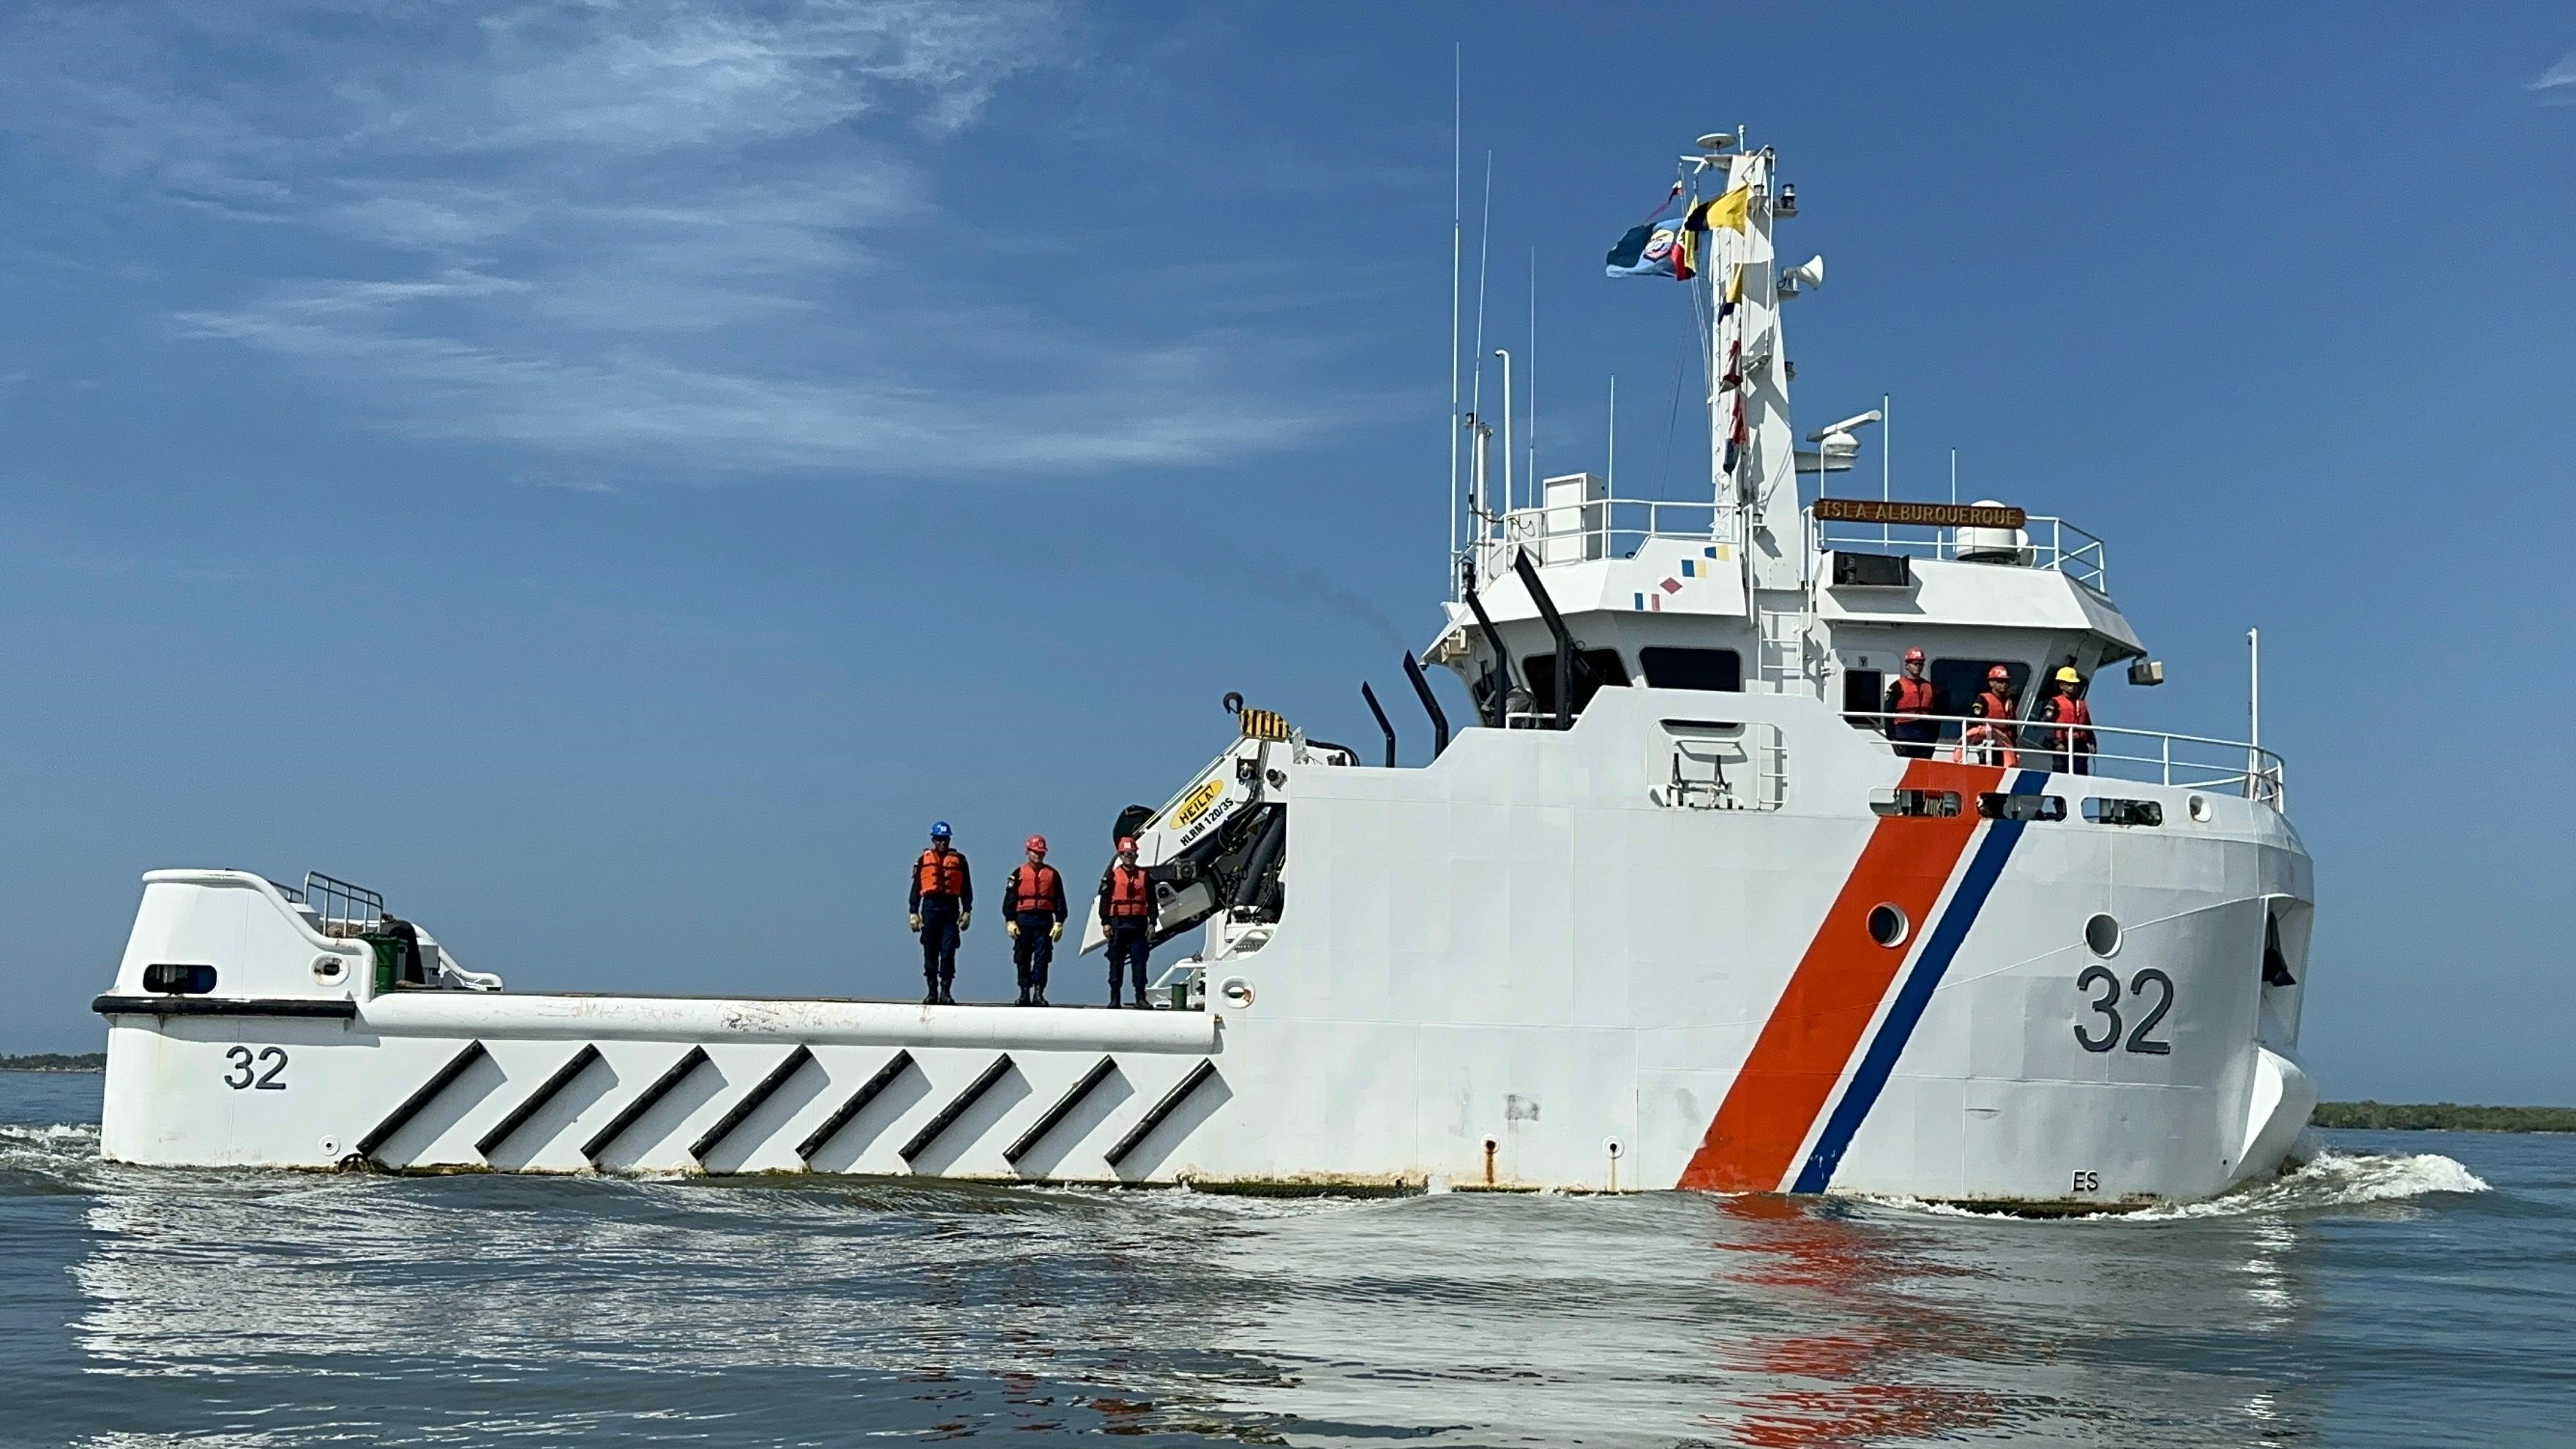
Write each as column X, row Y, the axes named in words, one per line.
column 1789, row 1076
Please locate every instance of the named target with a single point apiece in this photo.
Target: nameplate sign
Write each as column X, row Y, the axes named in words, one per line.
column 1919, row 515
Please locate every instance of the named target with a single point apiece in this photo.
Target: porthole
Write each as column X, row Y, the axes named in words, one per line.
column 2102, row 936
column 2200, row 808
column 1888, row 926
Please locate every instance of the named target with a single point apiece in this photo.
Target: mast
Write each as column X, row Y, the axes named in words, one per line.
column 1457, row 231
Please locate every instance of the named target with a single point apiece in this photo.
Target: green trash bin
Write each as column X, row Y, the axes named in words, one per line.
column 389, row 961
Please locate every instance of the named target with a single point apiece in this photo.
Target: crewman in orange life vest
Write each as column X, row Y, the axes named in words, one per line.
column 1911, row 703
column 1037, row 912
column 2066, row 709
column 1127, row 916
column 1987, row 742
column 943, row 904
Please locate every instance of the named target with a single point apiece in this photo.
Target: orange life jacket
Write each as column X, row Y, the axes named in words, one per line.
column 2074, row 714
column 1035, row 888
column 1130, row 897
column 1996, row 729
column 940, row 873
column 1913, row 696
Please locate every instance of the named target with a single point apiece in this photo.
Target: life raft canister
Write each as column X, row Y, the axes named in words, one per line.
column 940, row 873
column 1130, row 895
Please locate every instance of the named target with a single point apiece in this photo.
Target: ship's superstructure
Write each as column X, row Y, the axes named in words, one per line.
column 1671, row 910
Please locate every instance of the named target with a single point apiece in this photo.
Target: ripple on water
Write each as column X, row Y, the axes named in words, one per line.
column 290, row 1308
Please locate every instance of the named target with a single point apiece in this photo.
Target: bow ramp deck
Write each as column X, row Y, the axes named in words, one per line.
column 311, row 1049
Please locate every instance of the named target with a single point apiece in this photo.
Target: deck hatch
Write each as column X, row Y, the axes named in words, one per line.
column 1063, row 1108
column 859, row 1100
column 413, row 1105
column 766, row 1088
column 607, row 1136
column 1171, row 1103
column 545, row 1092
column 956, row 1108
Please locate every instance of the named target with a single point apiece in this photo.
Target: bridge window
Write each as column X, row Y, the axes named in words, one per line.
column 2124, row 812
column 1720, row 670
column 1594, row 671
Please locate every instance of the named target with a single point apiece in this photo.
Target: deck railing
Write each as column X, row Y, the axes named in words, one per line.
column 1612, row 528
column 2047, row 543
column 2188, row 762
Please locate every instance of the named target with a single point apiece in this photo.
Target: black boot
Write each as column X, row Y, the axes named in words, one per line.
column 944, row 998
column 931, row 996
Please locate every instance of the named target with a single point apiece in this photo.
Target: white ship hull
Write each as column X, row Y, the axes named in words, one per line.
column 1499, row 970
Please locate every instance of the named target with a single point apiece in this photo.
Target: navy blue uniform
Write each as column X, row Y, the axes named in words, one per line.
column 1037, row 907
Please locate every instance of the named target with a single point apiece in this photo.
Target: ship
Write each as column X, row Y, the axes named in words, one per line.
column 1681, row 905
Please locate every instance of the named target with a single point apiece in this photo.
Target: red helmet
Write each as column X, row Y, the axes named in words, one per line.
column 1037, row 845
column 1998, row 675
column 1913, row 656
column 1126, row 845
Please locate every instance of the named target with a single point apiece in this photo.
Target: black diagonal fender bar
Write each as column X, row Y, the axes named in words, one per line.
column 412, row 1105
column 1171, row 1103
column 694, row 1058
column 537, row 1099
column 750, row 1103
column 1056, row 1114
column 859, row 1100
column 949, row 1114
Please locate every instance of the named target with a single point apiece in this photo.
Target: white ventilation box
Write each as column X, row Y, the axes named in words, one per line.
column 1575, row 511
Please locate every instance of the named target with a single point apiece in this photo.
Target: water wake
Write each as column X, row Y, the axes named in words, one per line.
column 2331, row 1179
column 51, row 1151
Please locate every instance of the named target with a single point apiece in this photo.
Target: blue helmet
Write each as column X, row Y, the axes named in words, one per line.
column 939, row 830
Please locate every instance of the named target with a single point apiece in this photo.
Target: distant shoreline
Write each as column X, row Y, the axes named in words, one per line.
column 2442, row 1117
column 2359, row 1116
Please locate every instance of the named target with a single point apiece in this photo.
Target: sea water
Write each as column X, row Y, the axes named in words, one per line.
column 2401, row 1289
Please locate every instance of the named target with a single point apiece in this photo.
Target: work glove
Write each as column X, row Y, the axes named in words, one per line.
column 1011, row 929
column 1056, row 931
column 916, row 922
column 965, row 920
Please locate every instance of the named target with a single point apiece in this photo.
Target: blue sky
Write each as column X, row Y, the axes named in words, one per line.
column 609, row 474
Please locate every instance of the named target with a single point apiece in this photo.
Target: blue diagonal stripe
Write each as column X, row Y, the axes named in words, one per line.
column 1984, row 869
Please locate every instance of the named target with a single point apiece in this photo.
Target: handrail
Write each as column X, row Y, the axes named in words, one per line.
column 2262, row 774
column 1603, row 528
column 2050, row 544
column 337, row 902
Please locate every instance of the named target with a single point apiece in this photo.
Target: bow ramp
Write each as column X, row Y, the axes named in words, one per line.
column 299, row 1049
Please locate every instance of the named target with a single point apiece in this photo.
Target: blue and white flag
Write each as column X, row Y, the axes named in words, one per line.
column 1655, row 247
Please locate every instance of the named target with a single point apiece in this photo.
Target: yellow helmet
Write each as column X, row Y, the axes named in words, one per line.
column 2066, row 675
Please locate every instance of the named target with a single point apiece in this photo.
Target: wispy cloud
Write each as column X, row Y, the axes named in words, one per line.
column 2557, row 85
column 704, row 237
